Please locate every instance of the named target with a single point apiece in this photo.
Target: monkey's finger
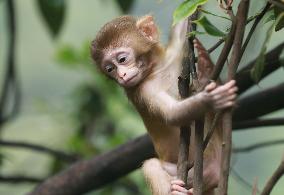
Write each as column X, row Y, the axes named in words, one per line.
column 225, row 105
column 177, row 193
column 190, row 191
column 177, row 182
column 233, row 90
column 210, row 87
column 223, row 88
column 225, row 99
column 225, row 95
column 178, row 189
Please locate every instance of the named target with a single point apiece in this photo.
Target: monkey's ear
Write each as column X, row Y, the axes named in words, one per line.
column 148, row 28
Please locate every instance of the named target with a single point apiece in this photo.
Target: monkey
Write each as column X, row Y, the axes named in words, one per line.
column 128, row 51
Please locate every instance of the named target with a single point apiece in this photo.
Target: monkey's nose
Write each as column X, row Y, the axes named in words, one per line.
column 122, row 74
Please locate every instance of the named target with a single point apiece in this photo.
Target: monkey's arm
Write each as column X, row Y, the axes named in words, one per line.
column 176, row 112
column 177, row 37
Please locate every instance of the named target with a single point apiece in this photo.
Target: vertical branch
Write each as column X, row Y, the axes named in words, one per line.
column 188, row 66
column 227, row 118
column 198, row 158
column 10, row 80
column 185, row 132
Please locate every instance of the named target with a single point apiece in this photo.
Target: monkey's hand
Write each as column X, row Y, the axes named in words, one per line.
column 177, row 188
column 221, row 97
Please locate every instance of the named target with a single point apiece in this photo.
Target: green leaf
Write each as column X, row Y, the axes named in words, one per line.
column 269, row 16
column 210, row 13
column 209, row 27
column 258, row 67
column 53, row 12
column 186, row 9
column 279, row 13
column 125, row 5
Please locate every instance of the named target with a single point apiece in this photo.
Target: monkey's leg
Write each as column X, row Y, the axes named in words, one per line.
column 157, row 178
column 211, row 175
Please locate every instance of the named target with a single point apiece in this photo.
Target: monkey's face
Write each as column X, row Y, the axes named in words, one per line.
column 122, row 65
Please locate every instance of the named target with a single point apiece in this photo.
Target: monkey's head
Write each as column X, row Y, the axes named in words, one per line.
column 122, row 49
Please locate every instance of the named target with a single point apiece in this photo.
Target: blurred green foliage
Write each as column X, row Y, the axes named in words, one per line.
column 99, row 104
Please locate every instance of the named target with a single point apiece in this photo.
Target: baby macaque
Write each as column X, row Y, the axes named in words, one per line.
column 128, row 51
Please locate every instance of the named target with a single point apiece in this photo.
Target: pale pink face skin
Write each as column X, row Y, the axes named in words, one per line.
column 120, row 64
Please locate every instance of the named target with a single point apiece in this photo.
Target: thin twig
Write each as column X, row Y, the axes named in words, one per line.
column 257, row 18
column 19, row 179
column 23, row 145
column 258, row 146
column 279, row 172
column 211, row 130
column 10, row 80
column 224, row 53
column 256, row 22
column 216, row 45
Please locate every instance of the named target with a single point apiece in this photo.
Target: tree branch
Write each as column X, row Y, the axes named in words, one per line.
column 225, row 51
column 258, row 123
column 22, row 145
column 258, row 146
column 272, row 63
column 198, row 157
column 279, row 172
column 260, row 103
column 188, row 68
column 236, row 56
column 10, row 80
column 19, row 179
column 87, row 175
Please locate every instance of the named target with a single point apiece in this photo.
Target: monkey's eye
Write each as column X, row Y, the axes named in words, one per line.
column 122, row 58
column 109, row 68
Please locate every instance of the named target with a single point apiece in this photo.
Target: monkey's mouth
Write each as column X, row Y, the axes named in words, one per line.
column 130, row 79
